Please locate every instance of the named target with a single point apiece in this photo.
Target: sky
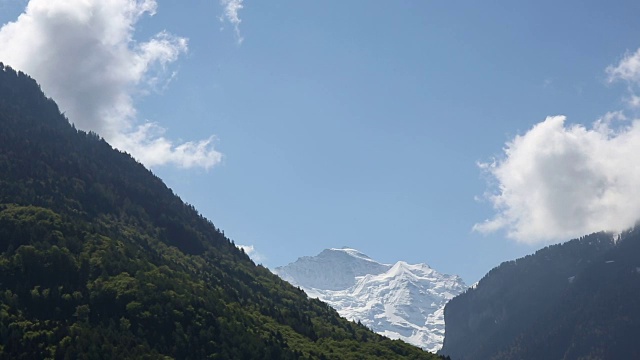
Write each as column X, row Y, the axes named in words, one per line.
column 458, row 134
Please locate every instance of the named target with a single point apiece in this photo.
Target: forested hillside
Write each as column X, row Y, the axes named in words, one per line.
column 99, row 259
column 577, row 300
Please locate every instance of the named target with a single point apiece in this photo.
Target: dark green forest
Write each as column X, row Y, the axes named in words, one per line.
column 100, row 260
column 576, row 300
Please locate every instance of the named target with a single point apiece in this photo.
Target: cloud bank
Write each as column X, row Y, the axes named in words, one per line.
column 559, row 181
column 83, row 54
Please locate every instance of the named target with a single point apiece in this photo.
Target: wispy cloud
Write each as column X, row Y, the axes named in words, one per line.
column 231, row 14
column 253, row 254
column 83, row 54
column 628, row 70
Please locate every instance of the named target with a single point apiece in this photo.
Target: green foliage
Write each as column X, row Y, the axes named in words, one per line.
column 99, row 259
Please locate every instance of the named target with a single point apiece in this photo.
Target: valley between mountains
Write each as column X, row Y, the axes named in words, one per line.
column 99, row 259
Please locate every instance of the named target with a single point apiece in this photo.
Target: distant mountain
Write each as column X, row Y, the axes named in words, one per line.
column 400, row 301
column 577, row 300
column 332, row 269
column 100, row 260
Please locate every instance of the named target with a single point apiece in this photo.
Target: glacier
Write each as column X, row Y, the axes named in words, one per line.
column 400, row 301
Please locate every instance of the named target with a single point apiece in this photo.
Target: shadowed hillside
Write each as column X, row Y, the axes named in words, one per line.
column 577, row 300
column 99, row 259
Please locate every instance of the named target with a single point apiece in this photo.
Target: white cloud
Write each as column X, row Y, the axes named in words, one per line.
column 560, row 181
column 83, row 54
column 253, row 254
column 231, row 10
column 557, row 181
column 628, row 69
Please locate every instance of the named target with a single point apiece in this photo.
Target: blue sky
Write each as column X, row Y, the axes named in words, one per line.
column 363, row 123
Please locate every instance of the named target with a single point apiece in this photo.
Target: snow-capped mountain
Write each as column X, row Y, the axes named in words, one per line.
column 401, row 301
column 332, row 269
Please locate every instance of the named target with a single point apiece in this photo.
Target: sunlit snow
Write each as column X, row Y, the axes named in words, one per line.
column 400, row 301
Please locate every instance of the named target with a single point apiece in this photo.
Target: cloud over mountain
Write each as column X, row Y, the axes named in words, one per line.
column 84, row 55
column 252, row 252
column 559, row 181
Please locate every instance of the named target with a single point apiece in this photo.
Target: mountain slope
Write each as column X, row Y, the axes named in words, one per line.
column 99, row 259
column 577, row 300
column 401, row 301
